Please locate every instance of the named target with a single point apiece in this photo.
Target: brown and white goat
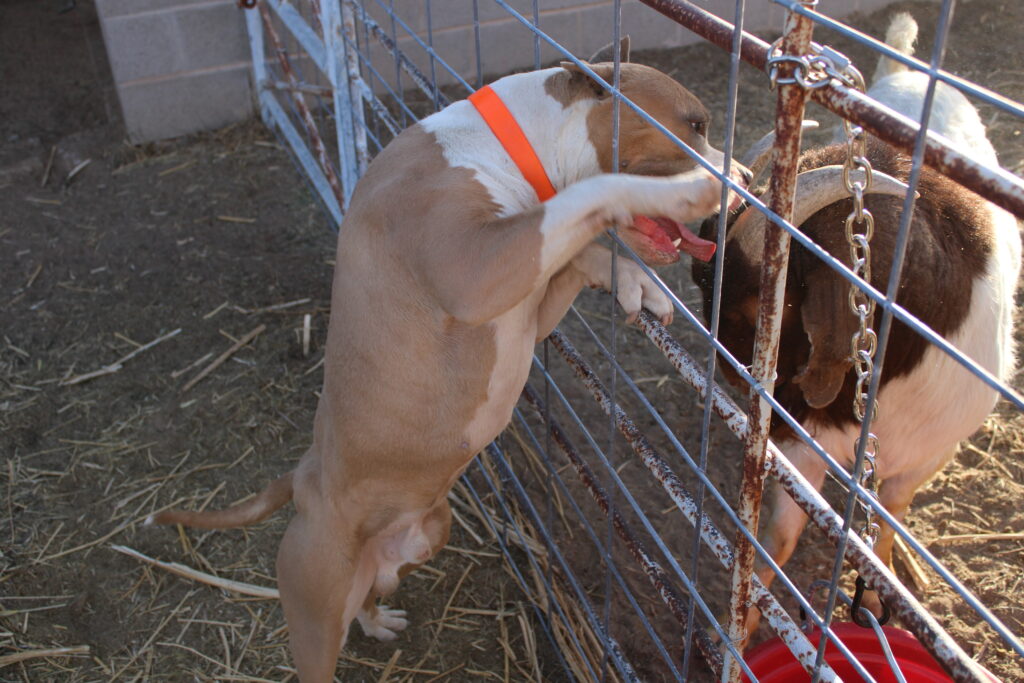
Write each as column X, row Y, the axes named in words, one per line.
column 959, row 278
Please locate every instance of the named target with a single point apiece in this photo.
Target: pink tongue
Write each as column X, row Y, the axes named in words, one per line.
column 664, row 229
column 696, row 247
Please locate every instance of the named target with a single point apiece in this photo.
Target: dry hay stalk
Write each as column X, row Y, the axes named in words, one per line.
column 202, row 577
column 581, row 663
column 119, row 363
column 249, row 336
column 26, row 655
column 917, row 573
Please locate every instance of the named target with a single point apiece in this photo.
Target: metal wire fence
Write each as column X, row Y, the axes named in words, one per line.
column 591, row 482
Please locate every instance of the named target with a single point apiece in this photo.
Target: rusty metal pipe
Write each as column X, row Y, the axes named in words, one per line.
column 658, row 577
column 903, row 603
column 996, row 185
column 789, row 113
column 770, row 608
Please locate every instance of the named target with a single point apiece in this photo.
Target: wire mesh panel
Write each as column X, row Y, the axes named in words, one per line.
column 627, row 492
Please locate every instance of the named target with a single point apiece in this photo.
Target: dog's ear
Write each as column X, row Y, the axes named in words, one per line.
column 580, row 79
column 607, row 53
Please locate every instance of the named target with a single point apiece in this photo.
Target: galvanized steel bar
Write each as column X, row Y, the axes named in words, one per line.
column 379, row 109
column 997, row 185
column 607, row 641
column 869, row 403
column 705, row 425
column 358, row 139
column 275, row 116
column 300, row 103
column 428, row 87
column 336, row 73
column 254, row 25
column 776, row 616
column 658, row 577
column 398, row 65
column 429, row 50
column 789, row 114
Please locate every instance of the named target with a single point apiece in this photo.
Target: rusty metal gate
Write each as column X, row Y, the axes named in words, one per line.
column 339, row 78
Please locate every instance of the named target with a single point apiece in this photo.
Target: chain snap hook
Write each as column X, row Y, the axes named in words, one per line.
column 858, row 596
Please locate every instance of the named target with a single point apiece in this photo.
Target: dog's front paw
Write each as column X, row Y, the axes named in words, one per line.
column 698, row 193
column 706, row 194
column 637, row 290
column 382, row 622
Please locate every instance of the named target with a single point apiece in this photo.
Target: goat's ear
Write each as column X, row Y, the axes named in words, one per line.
column 579, row 78
column 829, row 325
column 607, row 53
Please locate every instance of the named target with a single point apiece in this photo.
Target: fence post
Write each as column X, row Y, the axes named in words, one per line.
column 345, row 95
column 259, row 65
column 788, row 116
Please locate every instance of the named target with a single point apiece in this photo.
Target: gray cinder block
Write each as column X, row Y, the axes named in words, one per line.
column 178, row 106
column 179, row 66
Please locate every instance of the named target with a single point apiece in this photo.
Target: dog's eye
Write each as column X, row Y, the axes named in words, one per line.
column 700, row 127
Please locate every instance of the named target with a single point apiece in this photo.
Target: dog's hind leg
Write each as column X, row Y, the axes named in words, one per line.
column 398, row 561
column 323, row 578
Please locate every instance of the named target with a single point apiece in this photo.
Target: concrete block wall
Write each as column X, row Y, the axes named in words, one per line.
column 184, row 65
column 582, row 26
column 179, row 66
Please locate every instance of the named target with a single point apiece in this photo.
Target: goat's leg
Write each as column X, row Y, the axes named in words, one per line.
column 895, row 495
column 787, row 520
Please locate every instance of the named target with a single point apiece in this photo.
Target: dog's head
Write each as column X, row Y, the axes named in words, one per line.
column 643, row 149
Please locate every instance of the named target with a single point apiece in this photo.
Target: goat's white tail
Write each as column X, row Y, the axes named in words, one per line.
column 901, row 36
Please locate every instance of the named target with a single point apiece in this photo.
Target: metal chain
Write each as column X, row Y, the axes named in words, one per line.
column 860, row 227
column 814, row 70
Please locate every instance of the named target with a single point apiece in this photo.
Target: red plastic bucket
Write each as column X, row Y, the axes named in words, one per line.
column 772, row 662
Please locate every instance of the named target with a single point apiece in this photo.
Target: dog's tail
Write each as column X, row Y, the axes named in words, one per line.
column 901, row 36
column 256, row 509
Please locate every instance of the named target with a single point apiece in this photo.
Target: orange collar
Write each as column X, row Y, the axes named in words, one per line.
column 511, row 136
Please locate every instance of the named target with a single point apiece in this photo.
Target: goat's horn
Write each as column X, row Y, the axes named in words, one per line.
column 815, row 189
column 819, row 187
column 757, row 157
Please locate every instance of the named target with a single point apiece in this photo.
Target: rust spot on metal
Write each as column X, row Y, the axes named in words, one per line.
column 999, row 186
column 715, row 541
column 715, row 30
column 300, row 103
column 903, row 604
column 658, row 577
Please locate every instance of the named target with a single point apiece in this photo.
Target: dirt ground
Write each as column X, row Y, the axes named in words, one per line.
column 218, row 236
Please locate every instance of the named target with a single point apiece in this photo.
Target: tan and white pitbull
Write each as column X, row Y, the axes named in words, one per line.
column 448, row 272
